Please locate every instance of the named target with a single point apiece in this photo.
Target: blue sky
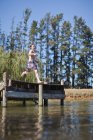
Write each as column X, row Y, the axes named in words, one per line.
column 70, row 8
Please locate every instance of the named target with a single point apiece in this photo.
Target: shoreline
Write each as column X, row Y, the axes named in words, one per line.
column 78, row 94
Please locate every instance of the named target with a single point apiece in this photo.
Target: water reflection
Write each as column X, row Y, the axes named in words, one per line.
column 74, row 121
column 38, row 124
column 3, row 122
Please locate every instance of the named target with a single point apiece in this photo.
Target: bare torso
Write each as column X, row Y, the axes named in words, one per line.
column 32, row 55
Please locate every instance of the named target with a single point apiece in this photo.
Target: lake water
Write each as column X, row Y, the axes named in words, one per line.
column 73, row 121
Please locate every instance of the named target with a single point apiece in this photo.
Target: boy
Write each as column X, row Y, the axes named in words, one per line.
column 31, row 64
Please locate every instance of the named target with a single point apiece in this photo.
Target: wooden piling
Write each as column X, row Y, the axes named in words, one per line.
column 62, row 82
column 4, row 99
column 9, row 82
column 3, row 120
column 40, row 103
column 45, row 102
column 62, row 102
column 24, row 102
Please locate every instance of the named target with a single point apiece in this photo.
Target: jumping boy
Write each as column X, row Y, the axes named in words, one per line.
column 31, row 64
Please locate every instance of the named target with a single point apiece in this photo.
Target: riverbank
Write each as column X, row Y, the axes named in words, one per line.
column 78, row 94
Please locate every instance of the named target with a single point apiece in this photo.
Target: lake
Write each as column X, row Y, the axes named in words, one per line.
column 73, row 121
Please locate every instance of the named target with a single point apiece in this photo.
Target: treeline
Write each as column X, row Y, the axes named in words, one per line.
column 65, row 51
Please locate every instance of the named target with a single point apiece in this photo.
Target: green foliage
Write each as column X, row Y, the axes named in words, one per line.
column 3, row 62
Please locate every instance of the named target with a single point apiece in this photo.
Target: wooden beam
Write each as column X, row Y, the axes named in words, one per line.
column 4, row 99
column 40, row 95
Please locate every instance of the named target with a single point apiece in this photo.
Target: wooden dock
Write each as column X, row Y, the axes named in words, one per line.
column 19, row 90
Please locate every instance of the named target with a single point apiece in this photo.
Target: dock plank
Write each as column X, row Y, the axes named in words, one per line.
column 28, row 95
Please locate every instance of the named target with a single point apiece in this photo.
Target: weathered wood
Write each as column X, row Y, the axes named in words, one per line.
column 62, row 82
column 53, row 96
column 24, row 90
column 1, row 86
column 40, row 95
column 34, row 86
column 21, row 95
column 61, row 102
column 3, row 126
column 24, row 102
column 25, row 85
column 4, row 99
column 45, row 102
column 9, row 82
column 19, row 90
column 29, row 95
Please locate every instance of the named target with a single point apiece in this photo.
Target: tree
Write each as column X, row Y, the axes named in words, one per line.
column 66, row 51
column 26, row 17
column 47, row 35
column 55, row 22
column 40, row 47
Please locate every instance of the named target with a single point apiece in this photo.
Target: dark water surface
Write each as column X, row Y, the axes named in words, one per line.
column 74, row 121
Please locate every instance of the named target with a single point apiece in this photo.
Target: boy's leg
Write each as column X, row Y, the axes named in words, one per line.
column 24, row 73
column 37, row 76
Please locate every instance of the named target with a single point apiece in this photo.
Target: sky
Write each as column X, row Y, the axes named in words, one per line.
column 10, row 9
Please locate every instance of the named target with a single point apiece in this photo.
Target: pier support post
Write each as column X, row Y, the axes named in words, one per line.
column 45, row 102
column 62, row 82
column 4, row 99
column 62, row 102
column 9, row 82
column 24, row 102
column 40, row 95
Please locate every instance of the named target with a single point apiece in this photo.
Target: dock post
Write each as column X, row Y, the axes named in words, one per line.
column 9, row 82
column 62, row 82
column 62, row 102
column 4, row 99
column 1, row 96
column 40, row 95
column 24, row 102
column 45, row 102
column 3, row 127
